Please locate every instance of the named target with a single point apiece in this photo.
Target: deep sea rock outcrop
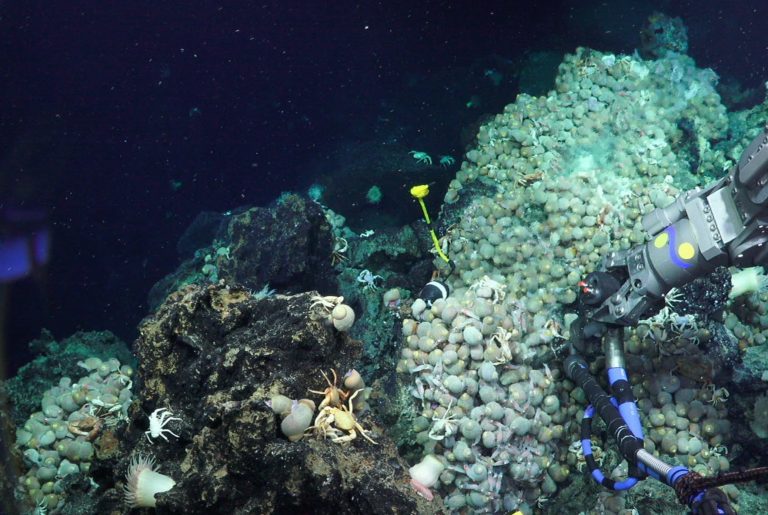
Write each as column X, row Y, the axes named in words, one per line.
column 213, row 355
column 287, row 245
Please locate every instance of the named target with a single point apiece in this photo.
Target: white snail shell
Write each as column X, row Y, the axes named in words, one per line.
column 343, row 317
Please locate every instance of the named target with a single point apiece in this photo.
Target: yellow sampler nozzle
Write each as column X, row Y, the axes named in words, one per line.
column 419, row 192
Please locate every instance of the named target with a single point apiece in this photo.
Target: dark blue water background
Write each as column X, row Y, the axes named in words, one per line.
column 125, row 119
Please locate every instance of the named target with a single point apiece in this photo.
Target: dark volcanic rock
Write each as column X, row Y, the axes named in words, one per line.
column 9, row 460
column 213, row 355
column 288, row 246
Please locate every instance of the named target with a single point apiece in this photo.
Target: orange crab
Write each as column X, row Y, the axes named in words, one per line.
column 334, row 396
column 88, row 427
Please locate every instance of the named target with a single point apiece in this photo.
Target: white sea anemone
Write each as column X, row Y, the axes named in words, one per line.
column 425, row 474
column 748, row 280
column 142, row 482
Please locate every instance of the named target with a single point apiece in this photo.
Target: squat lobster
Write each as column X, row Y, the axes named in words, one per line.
column 157, row 422
column 369, row 279
column 421, row 157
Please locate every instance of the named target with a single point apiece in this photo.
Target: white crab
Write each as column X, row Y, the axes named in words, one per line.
column 444, row 426
column 487, row 288
column 715, row 396
column 421, row 157
column 500, row 344
column 157, row 422
column 327, row 302
column 672, row 298
column 369, row 279
column 446, row 161
column 581, row 461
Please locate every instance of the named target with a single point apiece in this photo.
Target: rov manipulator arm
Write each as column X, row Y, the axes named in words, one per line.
column 700, row 494
column 723, row 224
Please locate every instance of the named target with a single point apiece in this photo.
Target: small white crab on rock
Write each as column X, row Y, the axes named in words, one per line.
column 332, row 310
column 157, row 422
column 369, row 279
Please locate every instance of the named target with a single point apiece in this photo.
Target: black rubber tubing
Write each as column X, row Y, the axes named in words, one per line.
column 577, row 370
